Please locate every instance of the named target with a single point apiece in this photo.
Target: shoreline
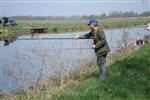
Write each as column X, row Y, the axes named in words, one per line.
column 25, row 27
column 28, row 31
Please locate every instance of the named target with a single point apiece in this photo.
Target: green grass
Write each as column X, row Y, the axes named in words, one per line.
column 76, row 25
column 128, row 79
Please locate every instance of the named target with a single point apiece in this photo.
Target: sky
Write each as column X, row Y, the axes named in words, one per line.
column 69, row 7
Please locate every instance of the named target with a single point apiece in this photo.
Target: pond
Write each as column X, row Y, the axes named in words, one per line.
column 23, row 61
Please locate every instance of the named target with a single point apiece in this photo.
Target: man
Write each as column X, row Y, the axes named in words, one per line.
column 139, row 40
column 99, row 45
column 147, row 27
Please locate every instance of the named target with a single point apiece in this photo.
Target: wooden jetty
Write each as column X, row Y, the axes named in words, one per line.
column 39, row 30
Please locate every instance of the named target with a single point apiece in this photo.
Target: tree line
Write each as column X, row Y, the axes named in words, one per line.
column 104, row 15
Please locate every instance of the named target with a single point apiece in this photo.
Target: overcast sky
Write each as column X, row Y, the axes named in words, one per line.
column 70, row 7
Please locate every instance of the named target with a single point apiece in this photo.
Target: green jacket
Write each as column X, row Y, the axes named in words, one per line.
column 99, row 40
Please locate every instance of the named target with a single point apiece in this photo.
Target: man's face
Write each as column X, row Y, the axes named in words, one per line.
column 91, row 26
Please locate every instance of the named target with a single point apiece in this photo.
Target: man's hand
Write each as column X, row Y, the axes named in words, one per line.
column 93, row 46
column 76, row 37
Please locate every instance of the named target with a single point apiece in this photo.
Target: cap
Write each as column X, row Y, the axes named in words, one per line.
column 92, row 21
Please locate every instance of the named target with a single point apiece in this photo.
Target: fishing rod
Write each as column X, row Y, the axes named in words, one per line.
column 47, row 38
column 7, row 41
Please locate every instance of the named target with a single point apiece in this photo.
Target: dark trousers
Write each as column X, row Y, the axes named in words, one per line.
column 101, row 60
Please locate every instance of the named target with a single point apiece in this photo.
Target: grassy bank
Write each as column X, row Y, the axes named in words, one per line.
column 78, row 25
column 5, row 35
column 128, row 79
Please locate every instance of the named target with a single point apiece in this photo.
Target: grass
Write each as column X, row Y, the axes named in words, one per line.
column 78, row 25
column 128, row 79
column 24, row 27
column 4, row 34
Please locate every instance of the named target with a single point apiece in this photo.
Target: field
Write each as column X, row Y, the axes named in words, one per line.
column 76, row 25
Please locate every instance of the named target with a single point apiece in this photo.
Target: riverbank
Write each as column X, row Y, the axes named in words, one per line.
column 25, row 27
column 127, row 79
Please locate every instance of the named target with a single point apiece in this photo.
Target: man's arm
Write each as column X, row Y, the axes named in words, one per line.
column 85, row 36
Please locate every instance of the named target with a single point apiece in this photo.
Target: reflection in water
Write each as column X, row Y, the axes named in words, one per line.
column 12, row 39
column 8, row 41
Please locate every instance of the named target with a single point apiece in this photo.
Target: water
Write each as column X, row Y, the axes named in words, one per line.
column 24, row 60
